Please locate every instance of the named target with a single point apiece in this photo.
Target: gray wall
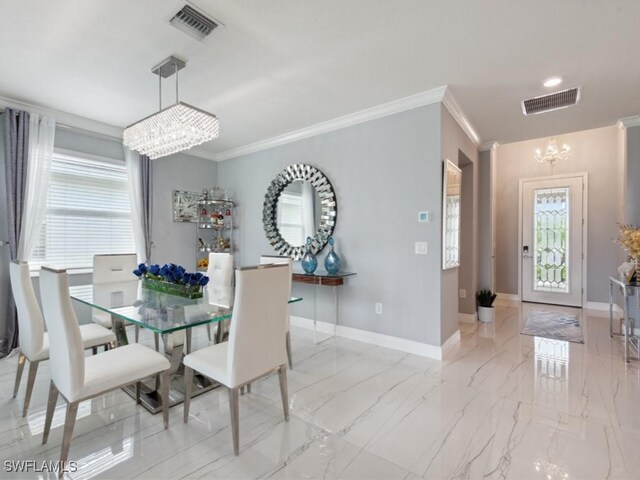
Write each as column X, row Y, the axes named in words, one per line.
column 466, row 270
column 384, row 172
column 484, row 220
column 176, row 242
column 632, row 190
column 455, row 140
column 592, row 151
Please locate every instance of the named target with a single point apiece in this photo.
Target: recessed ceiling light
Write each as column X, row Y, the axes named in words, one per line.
column 552, row 82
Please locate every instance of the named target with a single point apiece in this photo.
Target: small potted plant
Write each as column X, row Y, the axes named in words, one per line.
column 486, row 312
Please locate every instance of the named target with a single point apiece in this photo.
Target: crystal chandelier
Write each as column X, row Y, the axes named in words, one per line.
column 552, row 154
column 174, row 129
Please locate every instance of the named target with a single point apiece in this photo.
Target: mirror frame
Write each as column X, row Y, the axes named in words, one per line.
column 328, row 204
column 450, row 168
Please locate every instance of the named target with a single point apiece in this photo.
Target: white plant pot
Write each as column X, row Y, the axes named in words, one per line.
column 486, row 314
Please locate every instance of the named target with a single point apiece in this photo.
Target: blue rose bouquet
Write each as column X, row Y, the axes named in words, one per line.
column 156, row 277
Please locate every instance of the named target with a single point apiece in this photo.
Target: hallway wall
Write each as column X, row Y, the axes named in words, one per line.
column 592, row 151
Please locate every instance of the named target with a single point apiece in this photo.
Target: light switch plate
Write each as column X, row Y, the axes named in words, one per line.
column 421, row 248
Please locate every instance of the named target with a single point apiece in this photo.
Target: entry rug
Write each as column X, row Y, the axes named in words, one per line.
column 555, row 325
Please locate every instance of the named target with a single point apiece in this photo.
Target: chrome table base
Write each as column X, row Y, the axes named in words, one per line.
column 174, row 348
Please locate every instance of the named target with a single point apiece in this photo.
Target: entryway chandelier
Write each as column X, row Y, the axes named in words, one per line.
column 174, row 129
column 552, row 154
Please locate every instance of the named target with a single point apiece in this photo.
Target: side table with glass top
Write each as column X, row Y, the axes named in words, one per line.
column 170, row 316
column 627, row 324
column 322, row 278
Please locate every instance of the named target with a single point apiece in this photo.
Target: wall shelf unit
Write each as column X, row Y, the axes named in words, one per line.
column 215, row 226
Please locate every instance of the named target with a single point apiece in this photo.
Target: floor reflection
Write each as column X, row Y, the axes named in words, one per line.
column 551, row 379
column 104, row 459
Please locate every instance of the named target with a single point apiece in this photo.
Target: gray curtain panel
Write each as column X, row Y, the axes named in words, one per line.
column 16, row 149
column 147, row 202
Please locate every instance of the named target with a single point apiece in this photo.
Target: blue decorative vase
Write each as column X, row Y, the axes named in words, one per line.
column 332, row 260
column 309, row 261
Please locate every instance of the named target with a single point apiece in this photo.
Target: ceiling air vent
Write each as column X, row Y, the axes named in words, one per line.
column 194, row 23
column 553, row 101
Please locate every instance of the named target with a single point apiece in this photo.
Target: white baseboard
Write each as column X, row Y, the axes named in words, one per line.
column 508, row 297
column 379, row 339
column 602, row 307
column 468, row 317
column 449, row 344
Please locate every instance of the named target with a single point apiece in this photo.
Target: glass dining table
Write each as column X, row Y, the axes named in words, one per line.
column 170, row 318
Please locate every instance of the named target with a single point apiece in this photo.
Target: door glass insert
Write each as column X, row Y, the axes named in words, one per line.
column 551, row 248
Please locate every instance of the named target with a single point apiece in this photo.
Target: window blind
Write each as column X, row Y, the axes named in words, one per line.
column 290, row 224
column 88, row 212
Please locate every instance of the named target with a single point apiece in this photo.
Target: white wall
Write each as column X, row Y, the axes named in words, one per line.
column 592, row 151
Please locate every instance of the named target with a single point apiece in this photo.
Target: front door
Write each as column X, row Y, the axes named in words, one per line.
column 552, row 240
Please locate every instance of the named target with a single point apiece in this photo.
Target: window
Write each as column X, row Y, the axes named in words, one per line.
column 290, row 221
column 88, row 212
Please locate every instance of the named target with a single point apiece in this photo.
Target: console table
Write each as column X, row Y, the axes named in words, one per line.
column 626, row 290
column 322, row 278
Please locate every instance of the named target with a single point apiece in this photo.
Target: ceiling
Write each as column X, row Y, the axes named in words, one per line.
column 281, row 65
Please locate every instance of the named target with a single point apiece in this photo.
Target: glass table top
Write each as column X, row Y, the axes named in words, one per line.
column 158, row 311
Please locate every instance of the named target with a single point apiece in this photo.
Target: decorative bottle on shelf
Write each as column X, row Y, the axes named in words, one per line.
column 332, row 260
column 309, row 261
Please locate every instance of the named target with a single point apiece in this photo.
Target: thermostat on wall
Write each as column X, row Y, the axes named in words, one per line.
column 424, row 217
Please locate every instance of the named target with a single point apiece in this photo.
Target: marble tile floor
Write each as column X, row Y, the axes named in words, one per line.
column 503, row 405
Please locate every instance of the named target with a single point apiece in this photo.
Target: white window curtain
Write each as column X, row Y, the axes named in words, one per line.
column 41, row 137
column 134, row 172
column 308, row 208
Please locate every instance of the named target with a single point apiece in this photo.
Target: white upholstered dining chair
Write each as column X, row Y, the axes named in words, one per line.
column 77, row 377
column 255, row 347
column 111, row 269
column 220, row 273
column 278, row 259
column 34, row 341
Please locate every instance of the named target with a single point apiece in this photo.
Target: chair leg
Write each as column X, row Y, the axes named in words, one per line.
column 21, row 361
column 188, row 385
column 69, row 423
column 94, row 350
column 156, row 339
column 138, row 388
column 51, row 407
column 234, row 403
column 289, row 355
column 31, row 379
column 209, row 331
column 282, row 374
column 248, row 388
column 164, row 392
column 137, row 333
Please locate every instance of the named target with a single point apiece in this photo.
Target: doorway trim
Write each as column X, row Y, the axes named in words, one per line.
column 585, row 221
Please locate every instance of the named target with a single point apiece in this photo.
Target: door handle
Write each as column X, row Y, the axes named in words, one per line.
column 526, row 256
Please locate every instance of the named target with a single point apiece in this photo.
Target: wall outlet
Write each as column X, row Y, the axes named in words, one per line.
column 379, row 308
column 463, row 293
column 421, row 248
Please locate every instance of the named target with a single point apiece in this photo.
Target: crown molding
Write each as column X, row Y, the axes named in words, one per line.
column 456, row 111
column 629, row 122
column 487, row 146
column 64, row 118
column 414, row 101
